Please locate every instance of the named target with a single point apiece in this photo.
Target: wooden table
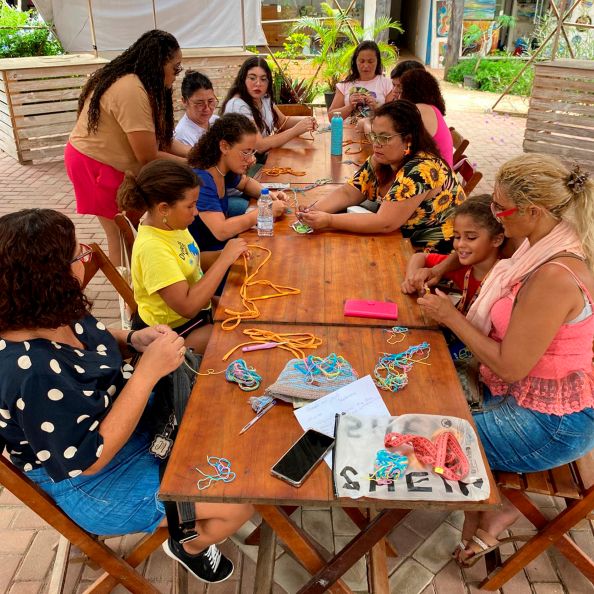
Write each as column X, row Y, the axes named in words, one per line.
column 218, row 410
column 328, row 268
column 313, row 157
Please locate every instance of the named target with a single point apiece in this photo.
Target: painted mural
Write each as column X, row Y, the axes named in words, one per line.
column 479, row 10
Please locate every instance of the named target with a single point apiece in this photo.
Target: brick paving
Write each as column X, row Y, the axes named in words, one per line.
column 424, row 539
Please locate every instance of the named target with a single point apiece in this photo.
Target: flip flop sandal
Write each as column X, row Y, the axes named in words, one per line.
column 486, row 544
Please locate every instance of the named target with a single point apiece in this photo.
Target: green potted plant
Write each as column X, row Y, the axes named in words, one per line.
column 482, row 39
column 337, row 36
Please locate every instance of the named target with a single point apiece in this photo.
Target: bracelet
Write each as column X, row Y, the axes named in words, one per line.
column 129, row 340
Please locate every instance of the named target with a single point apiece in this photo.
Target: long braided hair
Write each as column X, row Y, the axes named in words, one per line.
column 146, row 58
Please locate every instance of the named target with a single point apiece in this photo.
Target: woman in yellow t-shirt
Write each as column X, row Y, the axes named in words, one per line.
column 125, row 120
column 169, row 284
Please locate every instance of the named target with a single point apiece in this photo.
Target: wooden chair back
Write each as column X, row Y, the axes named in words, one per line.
column 100, row 261
column 117, row 569
column 573, row 482
column 127, row 232
column 460, row 144
column 468, row 175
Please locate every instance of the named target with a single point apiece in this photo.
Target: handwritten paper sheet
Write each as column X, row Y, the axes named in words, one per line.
column 360, row 398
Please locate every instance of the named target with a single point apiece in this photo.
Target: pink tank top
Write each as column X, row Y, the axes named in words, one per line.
column 443, row 138
column 562, row 381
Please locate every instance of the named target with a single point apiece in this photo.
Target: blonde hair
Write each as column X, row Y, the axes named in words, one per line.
column 567, row 194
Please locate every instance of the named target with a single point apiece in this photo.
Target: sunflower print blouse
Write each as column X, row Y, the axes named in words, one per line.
column 431, row 226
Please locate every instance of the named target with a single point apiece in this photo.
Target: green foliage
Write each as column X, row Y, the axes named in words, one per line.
column 336, row 37
column 474, row 35
column 582, row 40
column 293, row 46
column 494, row 75
column 16, row 42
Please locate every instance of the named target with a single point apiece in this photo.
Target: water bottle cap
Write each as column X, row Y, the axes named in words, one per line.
column 336, row 114
column 265, row 191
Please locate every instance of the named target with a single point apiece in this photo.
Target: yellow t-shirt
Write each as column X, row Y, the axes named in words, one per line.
column 125, row 107
column 160, row 259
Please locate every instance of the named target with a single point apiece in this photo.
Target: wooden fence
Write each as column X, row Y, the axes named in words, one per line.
column 561, row 113
column 38, row 96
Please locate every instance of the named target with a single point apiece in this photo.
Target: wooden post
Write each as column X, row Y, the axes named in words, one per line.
column 243, row 41
column 92, row 25
column 561, row 14
column 454, row 35
column 154, row 15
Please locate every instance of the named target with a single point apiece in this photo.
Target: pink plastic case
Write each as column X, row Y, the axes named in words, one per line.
column 363, row 308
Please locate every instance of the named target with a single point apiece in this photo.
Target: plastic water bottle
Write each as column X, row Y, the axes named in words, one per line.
column 265, row 217
column 336, row 134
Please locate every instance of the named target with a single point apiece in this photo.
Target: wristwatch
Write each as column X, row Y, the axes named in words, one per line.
column 129, row 341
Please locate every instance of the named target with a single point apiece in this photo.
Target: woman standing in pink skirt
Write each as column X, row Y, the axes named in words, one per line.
column 125, row 120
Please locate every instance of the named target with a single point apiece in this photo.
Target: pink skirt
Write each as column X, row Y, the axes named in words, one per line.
column 95, row 184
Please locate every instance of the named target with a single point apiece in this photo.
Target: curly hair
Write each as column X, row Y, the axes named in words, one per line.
column 406, row 121
column 37, row 287
column 145, row 58
column 364, row 45
column 419, row 86
column 194, row 81
column 231, row 128
column 478, row 208
column 159, row 181
column 239, row 89
column 405, row 66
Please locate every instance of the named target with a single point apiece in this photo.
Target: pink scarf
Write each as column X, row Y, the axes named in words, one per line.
column 506, row 273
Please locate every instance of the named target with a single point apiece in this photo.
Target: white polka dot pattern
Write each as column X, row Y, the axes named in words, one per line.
column 24, row 362
column 47, row 427
column 55, row 394
column 70, row 452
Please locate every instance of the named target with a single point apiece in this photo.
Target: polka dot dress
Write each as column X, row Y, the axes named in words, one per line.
column 53, row 398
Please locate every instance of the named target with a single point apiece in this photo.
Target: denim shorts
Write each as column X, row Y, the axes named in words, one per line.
column 518, row 439
column 119, row 499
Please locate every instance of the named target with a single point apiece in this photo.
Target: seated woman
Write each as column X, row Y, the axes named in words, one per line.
column 415, row 189
column 399, row 70
column 200, row 102
column 532, row 327
column 222, row 158
column 250, row 96
column 169, row 285
column 422, row 89
column 365, row 88
column 71, row 408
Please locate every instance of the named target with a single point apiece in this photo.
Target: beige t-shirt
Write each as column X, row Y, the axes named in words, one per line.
column 124, row 108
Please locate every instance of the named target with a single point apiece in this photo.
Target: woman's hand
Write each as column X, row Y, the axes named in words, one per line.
column 356, row 98
column 306, row 124
column 142, row 338
column 371, row 101
column 316, row 219
column 278, row 208
column 438, row 306
column 233, row 249
column 280, row 195
column 417, row 280
column 162, row 356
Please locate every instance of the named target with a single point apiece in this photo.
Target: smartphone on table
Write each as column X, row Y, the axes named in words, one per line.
column 302, row 457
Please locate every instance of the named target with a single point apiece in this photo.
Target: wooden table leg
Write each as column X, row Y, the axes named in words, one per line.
column 266, row 558
column 297, row 541
column 377, row 573
column 358, row 518
column 357, row 547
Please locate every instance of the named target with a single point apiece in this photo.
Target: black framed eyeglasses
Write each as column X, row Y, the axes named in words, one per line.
column 86, row 253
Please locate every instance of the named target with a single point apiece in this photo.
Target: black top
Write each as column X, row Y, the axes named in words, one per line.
column 53, row 397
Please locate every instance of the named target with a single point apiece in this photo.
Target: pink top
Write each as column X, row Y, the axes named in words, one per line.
column 562, row 381
column 443, row 138
column 379, row 87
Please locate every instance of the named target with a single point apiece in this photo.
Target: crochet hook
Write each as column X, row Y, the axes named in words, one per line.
column 258, row 416
column 261, row 346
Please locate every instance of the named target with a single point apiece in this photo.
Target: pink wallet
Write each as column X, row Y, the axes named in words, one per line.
column 363, row 308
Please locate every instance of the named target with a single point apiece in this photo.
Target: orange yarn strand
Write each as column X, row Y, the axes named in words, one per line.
column 251, row 310
column 276, row 171
column 294, row 342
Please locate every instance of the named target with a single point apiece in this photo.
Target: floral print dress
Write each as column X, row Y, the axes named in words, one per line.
column 431, row 226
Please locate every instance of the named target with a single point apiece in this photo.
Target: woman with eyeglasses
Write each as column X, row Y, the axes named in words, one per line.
column 71, row 409
column 365, row 88
column 221, row 159
column 250, row 95
column 532, row 327
column 125, row 120
column 415, row 189
column 422, row 88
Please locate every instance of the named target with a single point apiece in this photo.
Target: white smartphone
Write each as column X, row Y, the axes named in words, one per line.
column 302, row 457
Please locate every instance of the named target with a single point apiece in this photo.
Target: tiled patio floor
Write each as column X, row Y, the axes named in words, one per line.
column 424, row 539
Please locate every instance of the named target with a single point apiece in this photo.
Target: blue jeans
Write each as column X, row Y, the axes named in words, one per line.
column 120, row 499
column 237, row 205
column 517, row 439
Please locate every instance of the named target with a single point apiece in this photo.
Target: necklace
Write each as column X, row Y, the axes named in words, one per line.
column 219, row 171
column 462, row 305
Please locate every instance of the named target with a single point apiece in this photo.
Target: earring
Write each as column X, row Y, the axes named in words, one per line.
column 164, row 220
column 407, row 150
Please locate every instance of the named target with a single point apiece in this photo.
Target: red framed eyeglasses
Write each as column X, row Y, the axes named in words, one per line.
column 498, row 213
column 86, row 253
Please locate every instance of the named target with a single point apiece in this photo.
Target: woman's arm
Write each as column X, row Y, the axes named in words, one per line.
column 390, row 216
column 161, row 357
column 340, row 105
column 265, row 143
column 547, row 300
column 224, row 228
column 145, row 149
column 343, row 197
column 249, row 186
column 187, row 300
column 416, row 263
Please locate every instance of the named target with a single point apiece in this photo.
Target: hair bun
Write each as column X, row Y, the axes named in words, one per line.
column 577, row 180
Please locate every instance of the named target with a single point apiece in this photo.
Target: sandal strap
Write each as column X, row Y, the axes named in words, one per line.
column 481, row 543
